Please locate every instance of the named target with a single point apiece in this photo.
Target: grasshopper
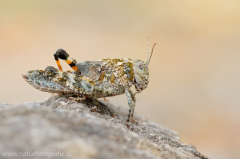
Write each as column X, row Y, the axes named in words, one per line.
column 94, row 79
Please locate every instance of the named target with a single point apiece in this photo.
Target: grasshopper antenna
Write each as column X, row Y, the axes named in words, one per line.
column 149, row 55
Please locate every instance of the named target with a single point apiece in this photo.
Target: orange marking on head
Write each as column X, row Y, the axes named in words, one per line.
column 59, row 65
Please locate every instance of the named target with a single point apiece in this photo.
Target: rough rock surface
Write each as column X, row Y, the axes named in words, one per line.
column 59, row 125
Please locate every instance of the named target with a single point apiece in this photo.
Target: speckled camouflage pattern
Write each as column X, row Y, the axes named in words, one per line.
column 95, row 79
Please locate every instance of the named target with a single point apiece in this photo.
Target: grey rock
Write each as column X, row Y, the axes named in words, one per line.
column 58, row 125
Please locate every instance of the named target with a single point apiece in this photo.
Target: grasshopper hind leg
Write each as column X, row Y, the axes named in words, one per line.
column 62, row 54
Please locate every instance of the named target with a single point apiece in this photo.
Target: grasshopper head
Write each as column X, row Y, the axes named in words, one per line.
column 141, row 74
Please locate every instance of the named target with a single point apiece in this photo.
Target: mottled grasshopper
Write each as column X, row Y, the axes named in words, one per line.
column 94, row 79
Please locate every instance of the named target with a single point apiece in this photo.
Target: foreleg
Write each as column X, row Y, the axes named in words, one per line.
column 134, row 100
column 131, row 104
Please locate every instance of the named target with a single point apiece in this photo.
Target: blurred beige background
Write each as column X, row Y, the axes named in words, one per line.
column 194, row 72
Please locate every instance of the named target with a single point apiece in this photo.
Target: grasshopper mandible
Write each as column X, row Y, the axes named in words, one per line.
column 94, row 79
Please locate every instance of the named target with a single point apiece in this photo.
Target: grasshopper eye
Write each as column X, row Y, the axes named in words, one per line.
column 140, row 65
